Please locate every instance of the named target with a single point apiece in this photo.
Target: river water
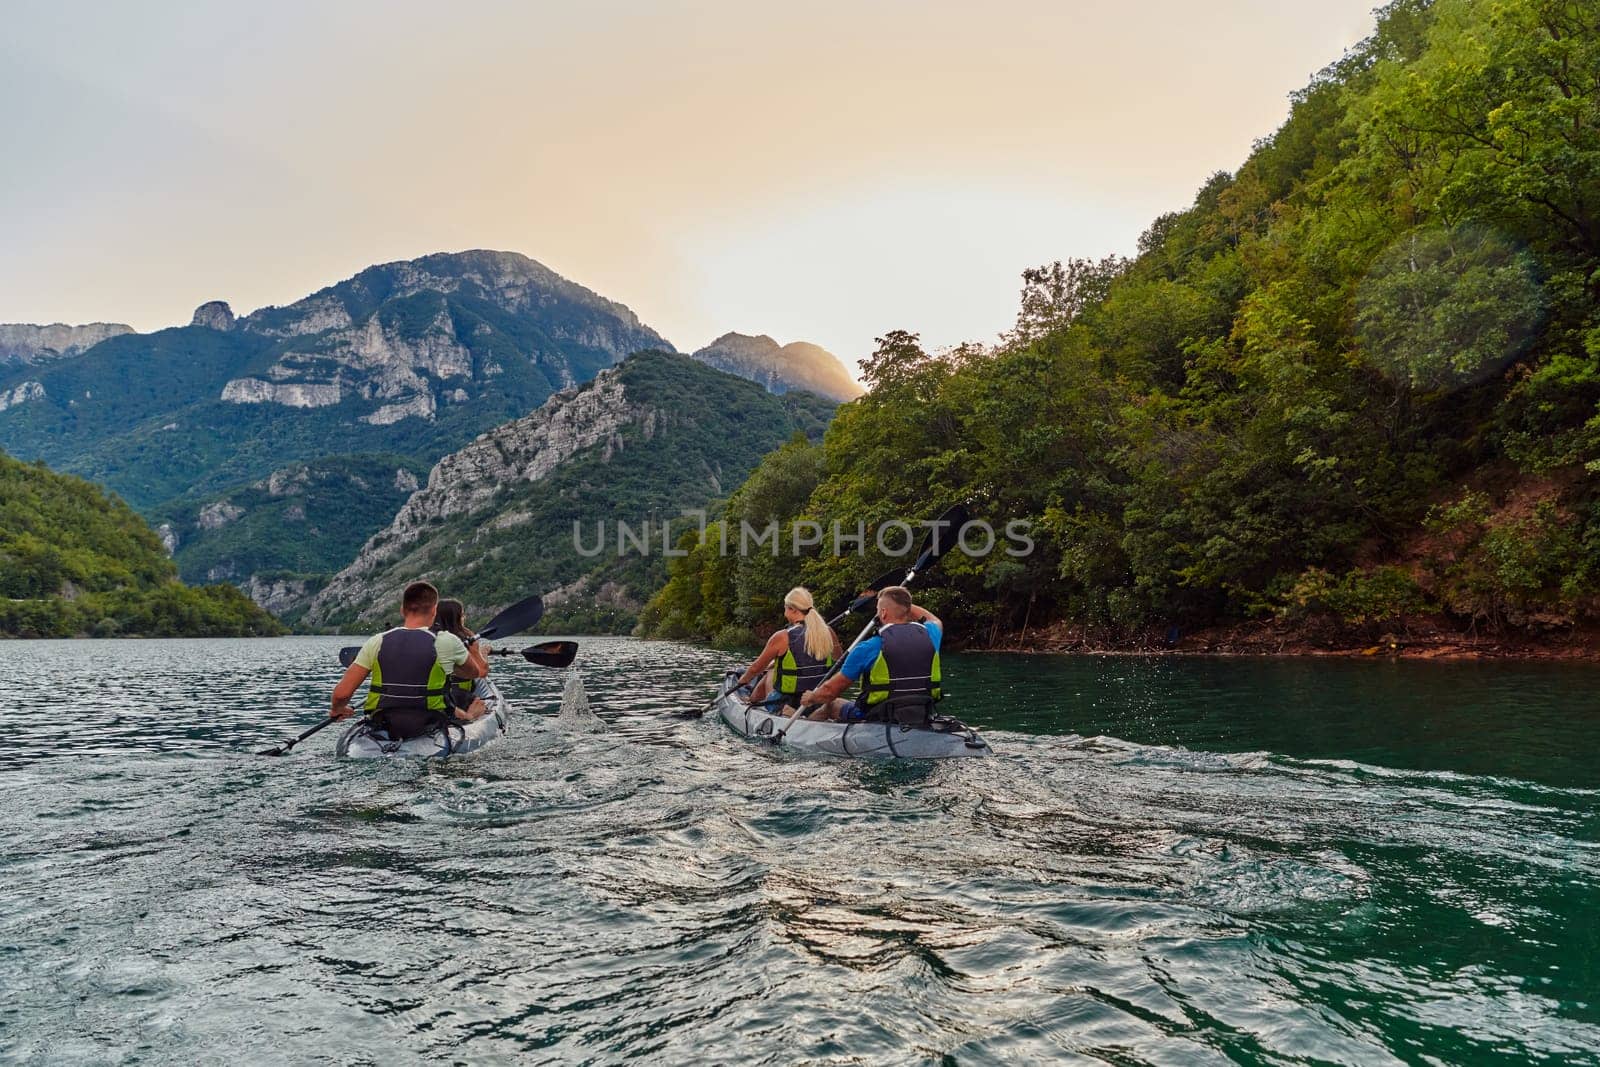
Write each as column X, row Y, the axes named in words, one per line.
column 1166, row 861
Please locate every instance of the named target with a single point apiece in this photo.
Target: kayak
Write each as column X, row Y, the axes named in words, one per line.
column 947, row 739
column 365, row 741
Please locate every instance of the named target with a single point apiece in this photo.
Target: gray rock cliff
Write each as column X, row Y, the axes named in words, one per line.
column 215, row 314
column 24, row 343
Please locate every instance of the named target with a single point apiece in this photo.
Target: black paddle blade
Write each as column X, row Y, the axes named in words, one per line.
column 271, row 752
column 942, row 537
column 347, row 656
column 552, row 653
column 518, row 617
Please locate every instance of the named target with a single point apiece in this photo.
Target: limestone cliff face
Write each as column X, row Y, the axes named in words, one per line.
column 24, row 343
column 293, row 395
column 20, row 394
column 515, row 454
column 278, row 595
column 780, row 368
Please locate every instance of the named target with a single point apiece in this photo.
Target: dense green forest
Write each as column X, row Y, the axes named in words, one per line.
column 75, row 561
column 1356, row 381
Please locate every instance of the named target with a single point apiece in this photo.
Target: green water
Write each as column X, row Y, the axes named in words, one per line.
column 1169, row 861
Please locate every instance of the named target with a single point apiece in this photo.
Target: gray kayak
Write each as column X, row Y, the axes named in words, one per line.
column 365, row 741
column 947, row 739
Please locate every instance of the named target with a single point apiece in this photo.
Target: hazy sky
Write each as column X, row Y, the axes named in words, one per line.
column 820, row 171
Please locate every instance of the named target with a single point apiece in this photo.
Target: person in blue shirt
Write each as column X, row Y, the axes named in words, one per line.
column 898, row 667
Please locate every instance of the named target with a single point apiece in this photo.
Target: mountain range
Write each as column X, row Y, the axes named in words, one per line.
column 267, row 447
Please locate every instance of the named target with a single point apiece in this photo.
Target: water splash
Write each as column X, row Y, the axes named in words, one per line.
column 575, row 713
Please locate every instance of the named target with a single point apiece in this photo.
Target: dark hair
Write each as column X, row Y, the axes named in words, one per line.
column 452, row 617
column 419, row 596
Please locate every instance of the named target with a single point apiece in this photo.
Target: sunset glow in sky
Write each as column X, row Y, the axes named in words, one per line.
column 822, row 172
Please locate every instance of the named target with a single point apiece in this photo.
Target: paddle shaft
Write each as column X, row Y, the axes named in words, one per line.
column 284, row 750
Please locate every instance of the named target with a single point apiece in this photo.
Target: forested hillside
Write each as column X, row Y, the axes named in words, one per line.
column 1356, row 381
column 74, row 561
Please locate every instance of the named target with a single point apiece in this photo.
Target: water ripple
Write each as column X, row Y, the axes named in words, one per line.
column 612, row 882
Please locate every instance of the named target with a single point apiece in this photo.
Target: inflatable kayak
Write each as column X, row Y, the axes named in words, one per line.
column 947, row 739
column 365, row 741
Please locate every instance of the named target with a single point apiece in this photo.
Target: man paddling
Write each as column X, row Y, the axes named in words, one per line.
column 409, row 665
column 900, row 664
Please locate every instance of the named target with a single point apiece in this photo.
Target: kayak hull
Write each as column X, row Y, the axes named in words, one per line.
column 362, row 741
column 862, row 740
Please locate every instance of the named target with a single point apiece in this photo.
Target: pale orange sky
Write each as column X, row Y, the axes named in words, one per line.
column 825, row 172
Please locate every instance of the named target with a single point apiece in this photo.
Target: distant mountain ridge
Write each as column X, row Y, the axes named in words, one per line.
column 780, row 368
column 497, row 520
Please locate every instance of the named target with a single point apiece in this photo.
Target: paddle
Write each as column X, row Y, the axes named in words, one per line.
column 519, row 616
column 943, row 535
column 284, row 748
column 865, row 600
column 548, row 654
column 869, row 593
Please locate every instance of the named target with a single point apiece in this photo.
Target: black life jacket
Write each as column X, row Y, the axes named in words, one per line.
column 798, row 670
column 907, row 672
column 406, row 693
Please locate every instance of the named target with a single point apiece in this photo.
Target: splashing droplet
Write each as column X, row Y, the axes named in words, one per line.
column 575, row 713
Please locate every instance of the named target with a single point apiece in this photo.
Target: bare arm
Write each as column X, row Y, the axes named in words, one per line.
column 353, row 677
column 477, row 657
column 775, row 646
column 919, row 614
column 474, row 666
column 828, row 690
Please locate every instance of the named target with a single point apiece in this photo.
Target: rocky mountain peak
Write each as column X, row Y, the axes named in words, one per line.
column 750, row 345
column 215, row 314
column 408, row 340
column 780, row 368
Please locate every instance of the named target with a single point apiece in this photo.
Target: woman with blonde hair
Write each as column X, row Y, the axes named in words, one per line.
column 799, row 655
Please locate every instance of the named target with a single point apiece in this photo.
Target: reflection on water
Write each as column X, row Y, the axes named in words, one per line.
column 1172, row 861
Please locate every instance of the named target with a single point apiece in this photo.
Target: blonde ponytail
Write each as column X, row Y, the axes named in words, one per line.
column 819, row 639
